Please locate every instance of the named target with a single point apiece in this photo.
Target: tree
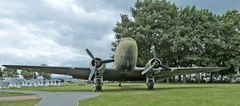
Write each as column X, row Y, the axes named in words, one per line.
column 183, row 36
column 45, row 75
column 8, row 72
column 28, row 75
column 150, row 18
column 229, row 32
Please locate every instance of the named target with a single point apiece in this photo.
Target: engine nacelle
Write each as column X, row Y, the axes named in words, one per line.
column 157, row 67
column 99, row 66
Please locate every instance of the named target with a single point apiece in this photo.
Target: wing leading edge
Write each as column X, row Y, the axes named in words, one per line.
column 74, row 71
column 192, row 70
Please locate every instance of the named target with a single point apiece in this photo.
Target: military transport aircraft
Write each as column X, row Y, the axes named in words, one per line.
column 125, row 60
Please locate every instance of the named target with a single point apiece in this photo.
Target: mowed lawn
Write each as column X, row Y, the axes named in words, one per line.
column 131, row 94
column 20, row 103
column 7, row 94
column 167, row 95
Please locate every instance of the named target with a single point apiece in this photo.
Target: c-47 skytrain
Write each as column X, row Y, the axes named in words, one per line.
column 124, row 69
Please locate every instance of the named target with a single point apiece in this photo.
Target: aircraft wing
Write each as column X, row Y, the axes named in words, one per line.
column 117, row 75
column 192, row 70
column 82, row 73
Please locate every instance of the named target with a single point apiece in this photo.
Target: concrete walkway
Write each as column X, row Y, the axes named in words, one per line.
column 58, row 98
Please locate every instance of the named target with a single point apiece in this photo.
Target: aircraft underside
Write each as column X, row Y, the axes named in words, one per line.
column 119, row 76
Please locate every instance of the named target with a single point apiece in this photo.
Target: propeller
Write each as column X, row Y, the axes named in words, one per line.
column 90, row 54
column 96, row 62
column 107, row 61
column 154, row 53
column 91, row 74
column 147, row 69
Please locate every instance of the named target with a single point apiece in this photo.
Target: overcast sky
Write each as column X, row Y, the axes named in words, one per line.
column 56, row 32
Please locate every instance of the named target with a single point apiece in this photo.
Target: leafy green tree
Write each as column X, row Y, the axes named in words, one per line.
column 229, row 32
column 150, row 18
column 28, row 75
column 32, row 75
column 192, row 37
column 183, row 36
column 45, row 75
column 8, row 72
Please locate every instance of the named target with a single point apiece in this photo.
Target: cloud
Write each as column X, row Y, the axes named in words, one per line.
column 23, row 46
column 56, row 32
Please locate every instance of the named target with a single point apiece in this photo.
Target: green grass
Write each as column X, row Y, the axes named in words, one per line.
column 6, row 94
column 131, row 94
column 20, row 103
column 168, row 95
column 66, row 87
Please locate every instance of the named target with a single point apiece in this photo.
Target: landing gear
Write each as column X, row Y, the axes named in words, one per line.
column 150, row 81
column 98, row 83
column 150, row 84
column 120, row 84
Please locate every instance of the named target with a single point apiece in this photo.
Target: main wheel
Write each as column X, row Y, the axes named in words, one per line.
column 98, row 85
column 150, row 84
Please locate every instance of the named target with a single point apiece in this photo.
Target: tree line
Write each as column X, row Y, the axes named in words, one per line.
column 183, row 36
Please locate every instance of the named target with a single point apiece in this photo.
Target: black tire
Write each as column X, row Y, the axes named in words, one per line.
column 150, row 85
column 98, row 86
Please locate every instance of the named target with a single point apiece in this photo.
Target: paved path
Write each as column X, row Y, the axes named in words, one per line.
column 58, row 98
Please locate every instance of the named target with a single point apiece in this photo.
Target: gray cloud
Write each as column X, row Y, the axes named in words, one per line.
column 56, row 32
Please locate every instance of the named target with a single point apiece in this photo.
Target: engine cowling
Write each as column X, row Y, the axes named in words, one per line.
column 156, row 67
column 97, row 65
column 100, row 68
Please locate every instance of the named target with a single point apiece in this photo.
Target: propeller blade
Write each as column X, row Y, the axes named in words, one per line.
column 90, row 54
column 92, row 72
column 165, row 67
column 107, row 61
column 153, row 50
column 91, row 75
column 148, row 69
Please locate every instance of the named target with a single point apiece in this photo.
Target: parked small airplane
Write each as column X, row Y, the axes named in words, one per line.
column 125, row 60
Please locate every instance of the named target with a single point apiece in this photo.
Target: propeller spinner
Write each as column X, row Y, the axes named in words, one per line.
column 96, row 62
column 156, row 62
